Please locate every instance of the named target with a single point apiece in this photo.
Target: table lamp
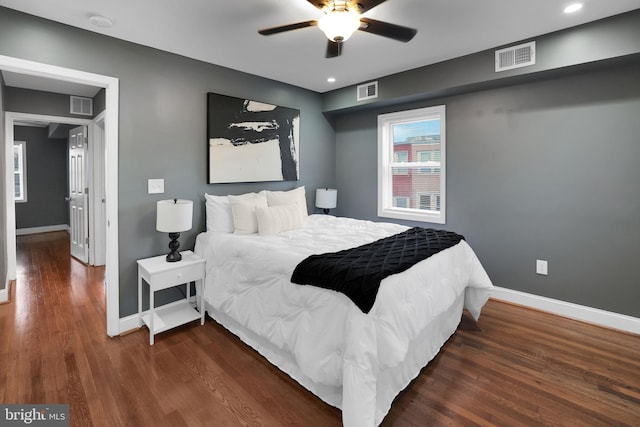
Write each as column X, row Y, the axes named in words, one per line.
column 173, row 217
column 326, row 198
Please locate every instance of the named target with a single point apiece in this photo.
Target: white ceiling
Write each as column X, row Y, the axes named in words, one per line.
column 224, row 32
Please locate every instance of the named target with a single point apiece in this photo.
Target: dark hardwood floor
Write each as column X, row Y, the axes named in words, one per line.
column 517, row 367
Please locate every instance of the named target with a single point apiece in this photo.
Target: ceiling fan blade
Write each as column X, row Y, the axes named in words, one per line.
column 366, row 5
column 333, row 49
column 320, row 4
column 385, row 29
column 283, row 28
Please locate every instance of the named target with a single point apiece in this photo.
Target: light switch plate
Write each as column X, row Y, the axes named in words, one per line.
column 156, row 186
column 542, row 267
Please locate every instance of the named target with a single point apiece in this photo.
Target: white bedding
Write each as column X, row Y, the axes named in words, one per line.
column 355, row 361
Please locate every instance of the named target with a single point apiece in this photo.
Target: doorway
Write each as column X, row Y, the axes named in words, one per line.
column 87, row 236
column 111, row 126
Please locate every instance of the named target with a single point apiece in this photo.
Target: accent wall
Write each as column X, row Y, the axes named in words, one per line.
column 163, row 127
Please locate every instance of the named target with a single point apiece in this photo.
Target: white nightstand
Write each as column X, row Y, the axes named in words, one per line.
column 160, row 274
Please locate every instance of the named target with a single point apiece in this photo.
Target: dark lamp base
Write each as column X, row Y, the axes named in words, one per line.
column 174, row 255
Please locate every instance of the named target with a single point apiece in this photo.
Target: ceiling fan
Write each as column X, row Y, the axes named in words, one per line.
column 341, row 19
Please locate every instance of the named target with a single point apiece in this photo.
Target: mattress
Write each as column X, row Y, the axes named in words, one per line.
column 355, row 361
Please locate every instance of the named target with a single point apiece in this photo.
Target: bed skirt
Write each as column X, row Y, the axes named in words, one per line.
column 390, row 381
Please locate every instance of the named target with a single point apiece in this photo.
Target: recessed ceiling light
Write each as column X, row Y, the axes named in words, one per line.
column 574, row 7
column 331, row 79
column 100, row 21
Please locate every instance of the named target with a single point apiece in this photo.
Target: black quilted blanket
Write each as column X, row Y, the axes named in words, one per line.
column 358, row 272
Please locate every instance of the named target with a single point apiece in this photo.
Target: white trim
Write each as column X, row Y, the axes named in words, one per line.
column 23, row 171
column 111, row 86
column 129, row 323
column 132, row 322
column 43, row 229
column 97, row 226
column 4, row 293
column 567, row 309
column 386, row 163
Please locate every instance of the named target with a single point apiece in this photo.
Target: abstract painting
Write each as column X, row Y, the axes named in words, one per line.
column 251, row 141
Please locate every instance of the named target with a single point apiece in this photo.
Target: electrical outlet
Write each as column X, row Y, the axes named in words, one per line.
column 542, row 267
column 156, row 186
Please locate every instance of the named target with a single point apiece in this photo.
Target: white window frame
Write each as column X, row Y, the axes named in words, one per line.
column 386, row 164
column 21, row 147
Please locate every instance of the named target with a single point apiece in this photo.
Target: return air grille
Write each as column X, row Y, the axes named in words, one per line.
column 367, row 91
column 512, row 57
column 81, row 106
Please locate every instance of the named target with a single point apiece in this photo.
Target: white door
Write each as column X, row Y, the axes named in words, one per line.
column 78, row 193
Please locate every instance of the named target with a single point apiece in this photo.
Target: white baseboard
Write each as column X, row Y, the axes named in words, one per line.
column 574, row 311
column 567, row 309
column 44, row 229
column 4, row 293
column 129, row 323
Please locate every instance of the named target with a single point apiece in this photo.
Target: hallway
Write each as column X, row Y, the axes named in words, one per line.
column 55, row 301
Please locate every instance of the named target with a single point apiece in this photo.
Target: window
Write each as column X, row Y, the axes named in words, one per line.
column 431, row 156
column 400, row 156
column 429, row 201
column 411, row 165
column 20, row 170
column 401, row 202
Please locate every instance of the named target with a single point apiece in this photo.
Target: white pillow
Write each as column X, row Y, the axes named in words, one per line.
column 291, row 197
column 274, row 219
column 243, row 208
column 219, row 216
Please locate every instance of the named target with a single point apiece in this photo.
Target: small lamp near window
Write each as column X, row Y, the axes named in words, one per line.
column 173, row 217
column 326, row 198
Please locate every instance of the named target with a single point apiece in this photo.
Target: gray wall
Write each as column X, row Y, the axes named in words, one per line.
column 45, row 103
column 163, row 125
column 543, row 168
column 99, row 102
column 559, row 52
column 540, row 170
column 46, row 179
column 3, row 220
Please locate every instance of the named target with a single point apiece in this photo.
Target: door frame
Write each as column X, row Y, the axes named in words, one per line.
column 97, row 197
column 111, row 126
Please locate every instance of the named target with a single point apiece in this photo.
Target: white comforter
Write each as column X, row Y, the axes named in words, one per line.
column 333, row 343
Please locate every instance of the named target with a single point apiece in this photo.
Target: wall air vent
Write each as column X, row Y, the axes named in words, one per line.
column 81, row 106
column 512, row 57
column 367, row 91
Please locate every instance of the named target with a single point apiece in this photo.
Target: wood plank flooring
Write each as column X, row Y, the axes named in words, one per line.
column 517, row 367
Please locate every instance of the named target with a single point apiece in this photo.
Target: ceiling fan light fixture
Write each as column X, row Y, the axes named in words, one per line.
column 339, row 25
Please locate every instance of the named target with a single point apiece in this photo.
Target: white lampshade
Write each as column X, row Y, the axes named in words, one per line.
column 338, row 25
column 174, row 216
column 326, row 198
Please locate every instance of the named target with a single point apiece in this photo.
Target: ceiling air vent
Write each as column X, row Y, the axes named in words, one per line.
column 81, row 106
column 367, row 91
column 512, row 57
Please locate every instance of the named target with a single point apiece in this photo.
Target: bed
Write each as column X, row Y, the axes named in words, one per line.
column 352, row 360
